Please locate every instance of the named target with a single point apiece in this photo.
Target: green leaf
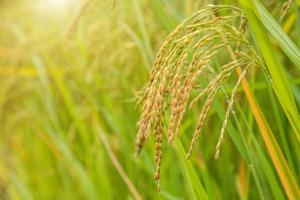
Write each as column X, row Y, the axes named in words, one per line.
column 287, row 45
column 277, row 72
column 283, row 92
column 194, row 184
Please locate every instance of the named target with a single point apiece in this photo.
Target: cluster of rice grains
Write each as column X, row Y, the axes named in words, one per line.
column 186, row 55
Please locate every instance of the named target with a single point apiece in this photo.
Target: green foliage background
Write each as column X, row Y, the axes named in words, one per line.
column 68, row 81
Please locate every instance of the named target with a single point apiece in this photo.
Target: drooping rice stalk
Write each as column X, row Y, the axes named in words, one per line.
column 183, row 59
column 285, row 8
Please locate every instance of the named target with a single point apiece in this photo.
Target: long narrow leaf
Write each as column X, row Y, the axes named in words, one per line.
column 190, row 174
column 285, row 97
column 287, row 45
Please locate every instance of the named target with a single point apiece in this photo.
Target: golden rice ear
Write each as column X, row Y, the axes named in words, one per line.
column 184, row 57
column 228, row 111
column 285, row 8
column 139, row 145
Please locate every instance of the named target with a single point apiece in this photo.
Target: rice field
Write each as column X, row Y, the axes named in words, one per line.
column 149, row 99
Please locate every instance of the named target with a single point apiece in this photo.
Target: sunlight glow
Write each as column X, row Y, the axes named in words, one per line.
column 54, row 5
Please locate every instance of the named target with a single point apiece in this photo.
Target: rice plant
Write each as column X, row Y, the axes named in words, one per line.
column 210, row 89
column 186, row 54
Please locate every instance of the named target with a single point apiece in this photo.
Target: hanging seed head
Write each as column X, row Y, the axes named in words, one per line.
column 183, row 59
column 285, row 8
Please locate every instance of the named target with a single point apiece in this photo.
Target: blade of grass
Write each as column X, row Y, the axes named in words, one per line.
column 273, row 148
column 56, row 139
column 139, row 44
column 287, row 45
column 240, row 143
column 242, row 181
column 282, row 136
column 117, row 165
column 266, row 168
column 278, row 159
column 297, row 13
column 190, row 174
column 280, row 82
column 167, row 22
column 22, row 191
column 142, row 26
column 68, row 99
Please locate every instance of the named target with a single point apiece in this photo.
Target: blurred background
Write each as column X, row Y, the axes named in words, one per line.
column 69, row 74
